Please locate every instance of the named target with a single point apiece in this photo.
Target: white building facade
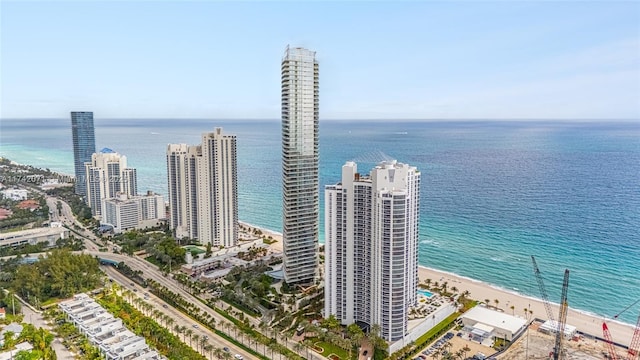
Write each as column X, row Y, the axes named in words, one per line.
column 300, row 185
column 371, row 241
column 203, row 189
column 107, row 175
column 133, row 212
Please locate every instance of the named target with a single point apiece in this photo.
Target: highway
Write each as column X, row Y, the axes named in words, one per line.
column 179, row 317
column 150, row 271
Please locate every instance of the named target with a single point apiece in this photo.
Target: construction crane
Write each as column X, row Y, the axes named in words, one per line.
column 562, row 317
column 608, row 341
column 634, row 347
column 543, row 292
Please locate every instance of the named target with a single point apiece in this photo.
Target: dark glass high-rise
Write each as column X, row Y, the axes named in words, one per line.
column 84, row 145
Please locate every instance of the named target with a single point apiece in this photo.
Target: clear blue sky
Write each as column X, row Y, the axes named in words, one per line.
column 389, row 60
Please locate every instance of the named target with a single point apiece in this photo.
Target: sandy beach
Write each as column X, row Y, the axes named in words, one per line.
column 277, row 246
column 588, row 324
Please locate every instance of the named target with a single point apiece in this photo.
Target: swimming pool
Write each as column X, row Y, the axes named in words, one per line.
column 424, row 293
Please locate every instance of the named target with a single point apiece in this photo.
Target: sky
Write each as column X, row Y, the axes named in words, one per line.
column 378, row 60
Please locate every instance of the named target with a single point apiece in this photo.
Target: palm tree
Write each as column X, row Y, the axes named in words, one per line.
column 203, row 342
column 497, row 302
column 428, row 283
column 444, row 286
column 209, row 348
column 513, row 309
column 487, row 301
column 466, row 349
column 189, row 333
column 454, row 289
column 218, row 352
column 196, row 338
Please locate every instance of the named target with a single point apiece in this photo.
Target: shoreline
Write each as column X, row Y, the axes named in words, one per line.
column 584, row 321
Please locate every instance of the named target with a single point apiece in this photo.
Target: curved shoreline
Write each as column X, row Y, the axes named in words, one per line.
column 583, row 320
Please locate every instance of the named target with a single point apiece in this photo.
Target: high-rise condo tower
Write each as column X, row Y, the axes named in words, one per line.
column 107, row 175
column 203, row 189
column 371, row 247
column 300, row 189
column 84, row 145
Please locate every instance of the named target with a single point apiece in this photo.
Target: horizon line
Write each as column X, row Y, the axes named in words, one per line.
column 344, row 119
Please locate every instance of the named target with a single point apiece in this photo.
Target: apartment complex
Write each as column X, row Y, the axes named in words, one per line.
column 371, row 247
column 84, row 145
column 300, row 189
column 106, row 176
column 133, row 212
column 203, row 189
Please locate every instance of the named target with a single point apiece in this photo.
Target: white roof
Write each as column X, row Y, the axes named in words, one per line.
column 551, row 326
column 495, row 319
column 483, row 327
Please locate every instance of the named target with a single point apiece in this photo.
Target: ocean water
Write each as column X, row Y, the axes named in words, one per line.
column 493, row 193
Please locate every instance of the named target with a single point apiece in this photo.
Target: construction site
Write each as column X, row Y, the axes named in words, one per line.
column 554, row 339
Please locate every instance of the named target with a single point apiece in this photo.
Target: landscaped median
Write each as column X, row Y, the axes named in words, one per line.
column 180, row 304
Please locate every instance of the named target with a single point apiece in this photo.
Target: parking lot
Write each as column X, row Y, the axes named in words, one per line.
column 452, row 344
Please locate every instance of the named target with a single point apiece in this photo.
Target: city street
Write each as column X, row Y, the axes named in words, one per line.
column 150, row 271
column 179, row 318
column 32, row 317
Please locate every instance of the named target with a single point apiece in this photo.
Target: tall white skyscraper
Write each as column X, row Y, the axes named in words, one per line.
column 300, row 189
column 106, row 176
column 203, row 189
column 371, row 246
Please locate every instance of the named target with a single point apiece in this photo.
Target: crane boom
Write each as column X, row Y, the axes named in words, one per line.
column 562, row 317
column 543, row 291
column 634, row 347
column 609, row 342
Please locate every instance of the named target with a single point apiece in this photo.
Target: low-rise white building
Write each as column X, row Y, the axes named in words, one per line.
column 133, row 212
column 551, row 327
column 483, row 323
column 15, row 194
column 34, row 236
column 106, row 332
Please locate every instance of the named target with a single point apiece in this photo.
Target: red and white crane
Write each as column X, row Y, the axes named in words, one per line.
column 634, row 346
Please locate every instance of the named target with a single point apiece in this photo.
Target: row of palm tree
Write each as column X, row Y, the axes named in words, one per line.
column 242, row 329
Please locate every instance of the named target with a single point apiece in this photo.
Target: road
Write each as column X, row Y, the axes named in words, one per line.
column 38, row 321
column 179, row 317
column 150, row 271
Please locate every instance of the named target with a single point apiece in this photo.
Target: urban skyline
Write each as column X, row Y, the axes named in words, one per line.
column 382, row 60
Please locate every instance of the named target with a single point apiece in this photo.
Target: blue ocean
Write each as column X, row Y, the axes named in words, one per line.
column 493, row 193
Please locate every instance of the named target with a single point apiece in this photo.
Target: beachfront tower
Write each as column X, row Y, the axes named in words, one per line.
column 371, row 243
column 203, row 189
column 107, row 175
column 84, row 145
column 300, row 189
